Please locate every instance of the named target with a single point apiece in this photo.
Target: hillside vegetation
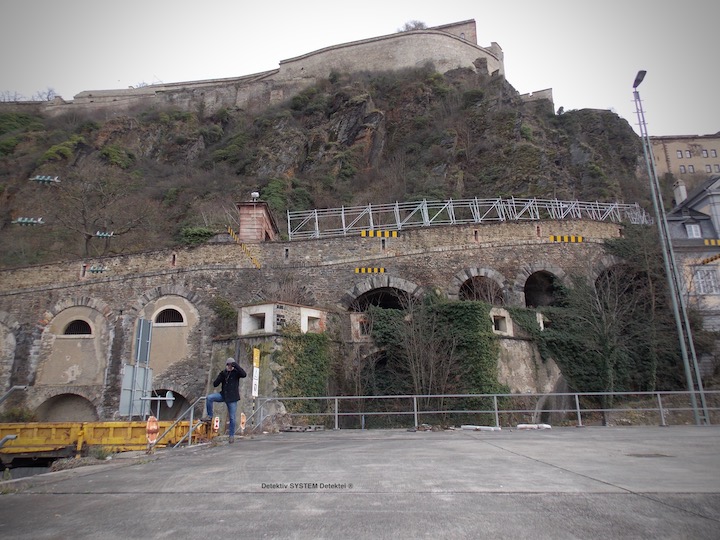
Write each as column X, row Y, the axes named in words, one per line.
column 156, row 178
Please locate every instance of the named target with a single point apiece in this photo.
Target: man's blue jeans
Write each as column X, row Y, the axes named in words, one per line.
column 231, row 406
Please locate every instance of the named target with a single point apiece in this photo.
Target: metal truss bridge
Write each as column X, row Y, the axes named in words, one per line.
column 331, row 222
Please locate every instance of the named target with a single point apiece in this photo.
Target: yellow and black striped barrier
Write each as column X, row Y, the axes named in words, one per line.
column 245, row 249
column 250, row 255
column 566, row 238
column 379, row 234
column 712, row 242
column 233, row 234
column 710, row 259
column 370, row 270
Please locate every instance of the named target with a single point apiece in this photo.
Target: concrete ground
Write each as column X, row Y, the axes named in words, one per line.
column 594, row 482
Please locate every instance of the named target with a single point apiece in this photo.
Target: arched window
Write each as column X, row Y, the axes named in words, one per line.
column 169, row 316
column 77, row 328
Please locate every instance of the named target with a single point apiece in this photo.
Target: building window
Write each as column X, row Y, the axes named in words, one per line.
column 717, row 168
column 708, row 168
column 258, row 321
column 706, row 281
column 77, row 328
column 691, row 169
column 499, row 323
column 688, row 153
column 313, row 325
column 169, row 316
column 679, row 154
column 682, row 169
column 693, row 230
column 713, row 153
column 705, row 153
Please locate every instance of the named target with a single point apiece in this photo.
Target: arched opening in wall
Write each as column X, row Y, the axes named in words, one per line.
column 77, row 327
column 384, row 297
column 66, row 408
column 484, row 289
column 169, row 316
column 162, row 411
column 540, row 289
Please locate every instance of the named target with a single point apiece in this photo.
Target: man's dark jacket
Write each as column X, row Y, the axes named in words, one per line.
column 230, row 381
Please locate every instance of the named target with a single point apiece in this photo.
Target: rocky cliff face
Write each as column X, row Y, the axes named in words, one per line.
column 356, row 138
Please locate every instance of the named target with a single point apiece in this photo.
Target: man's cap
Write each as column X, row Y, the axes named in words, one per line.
column 230, row 361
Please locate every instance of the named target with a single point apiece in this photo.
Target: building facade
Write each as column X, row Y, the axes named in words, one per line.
column 688, row 156
column 694, row 227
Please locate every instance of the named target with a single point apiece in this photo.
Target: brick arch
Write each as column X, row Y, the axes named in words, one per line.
column 181, row 403
column 518, row 288
column 461, row 277
column 605, row 263
column 76, row 397
column 78, row 301
column 164, row 290
column 380, row 281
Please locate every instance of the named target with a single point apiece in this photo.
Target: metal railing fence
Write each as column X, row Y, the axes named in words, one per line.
column 499, row 410
column 331, row 222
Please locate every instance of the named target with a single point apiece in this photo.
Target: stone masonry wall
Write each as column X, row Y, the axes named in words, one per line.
column 33, row 299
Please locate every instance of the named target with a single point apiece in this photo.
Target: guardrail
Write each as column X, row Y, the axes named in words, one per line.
column 330, row 222
column 616, row 408
column 192, row 426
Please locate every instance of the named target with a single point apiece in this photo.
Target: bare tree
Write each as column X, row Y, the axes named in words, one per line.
column 44, row 95
column 9, row 96
column 428, row 352
column 610, row 321
column 92, row 203
column 483, row 289
column 413, row 25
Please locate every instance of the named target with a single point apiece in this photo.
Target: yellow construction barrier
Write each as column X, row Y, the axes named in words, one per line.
column 65, row 439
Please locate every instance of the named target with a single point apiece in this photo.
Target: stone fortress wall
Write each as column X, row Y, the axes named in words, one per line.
column 446, row 47
column 37, row 303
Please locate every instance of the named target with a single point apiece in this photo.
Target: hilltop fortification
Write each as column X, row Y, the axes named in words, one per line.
column 445, row 47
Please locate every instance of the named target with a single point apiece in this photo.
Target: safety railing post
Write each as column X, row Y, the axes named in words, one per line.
column 577, row 408
column 415, row 411
column 497, row 414
column 336, row 414
column 192, row 426
column 662, row 411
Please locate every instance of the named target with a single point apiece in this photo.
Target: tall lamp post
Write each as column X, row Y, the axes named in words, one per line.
column 676, row 287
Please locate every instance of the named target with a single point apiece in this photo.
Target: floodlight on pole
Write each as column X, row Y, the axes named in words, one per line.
column 679, row 307
column 46, row 179
column 639, row 78
column 28, row 221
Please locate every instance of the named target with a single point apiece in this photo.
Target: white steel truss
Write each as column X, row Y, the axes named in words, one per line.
column 329, row 222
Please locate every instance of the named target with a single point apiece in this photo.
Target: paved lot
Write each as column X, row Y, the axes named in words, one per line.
column 595, row 482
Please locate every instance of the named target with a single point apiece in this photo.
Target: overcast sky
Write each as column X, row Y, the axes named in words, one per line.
column 588, row 52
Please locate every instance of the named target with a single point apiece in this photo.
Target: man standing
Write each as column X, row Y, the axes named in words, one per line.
column 229, row 378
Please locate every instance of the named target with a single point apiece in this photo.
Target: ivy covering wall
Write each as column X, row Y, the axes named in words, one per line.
column 438, row 347
column 305, row 361
column 616, row 333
